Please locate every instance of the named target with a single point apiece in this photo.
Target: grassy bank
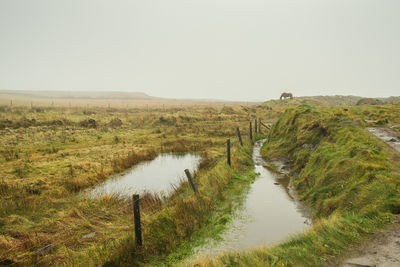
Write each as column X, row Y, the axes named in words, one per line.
column 348, row 177
column 184, row 213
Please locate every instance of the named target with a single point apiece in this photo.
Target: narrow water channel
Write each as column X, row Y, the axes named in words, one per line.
column 270, row 213
column 157, row 176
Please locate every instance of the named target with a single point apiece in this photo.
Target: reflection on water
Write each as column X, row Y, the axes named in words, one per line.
column 269, row 214
column 158, row 175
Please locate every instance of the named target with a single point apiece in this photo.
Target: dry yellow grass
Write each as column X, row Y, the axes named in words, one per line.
column 48, row 155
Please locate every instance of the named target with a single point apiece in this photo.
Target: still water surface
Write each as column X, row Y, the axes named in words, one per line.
column 158, row 175
column 270, row 213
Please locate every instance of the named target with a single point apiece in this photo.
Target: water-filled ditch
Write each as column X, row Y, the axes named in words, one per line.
column 269, row 214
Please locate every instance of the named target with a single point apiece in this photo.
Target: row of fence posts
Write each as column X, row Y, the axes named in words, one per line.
column 136, row 198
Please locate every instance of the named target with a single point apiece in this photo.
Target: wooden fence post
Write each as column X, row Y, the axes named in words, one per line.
column 266, row 126
column 189, row 176
column 255, row 125
column 228, row 151
column 259, row 125
column 251, row 132
column 239, row 136
column 136, row 217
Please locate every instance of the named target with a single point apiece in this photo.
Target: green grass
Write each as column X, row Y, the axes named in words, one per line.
column 186, row 219
column 347, row 176
column 325, row 242
column 219, row 219
column 347, row 167
column 48, row 155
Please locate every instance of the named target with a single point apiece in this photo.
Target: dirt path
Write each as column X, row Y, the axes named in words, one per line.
column 383, row 249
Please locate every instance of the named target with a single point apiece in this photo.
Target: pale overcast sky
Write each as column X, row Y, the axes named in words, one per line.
column 226, row 49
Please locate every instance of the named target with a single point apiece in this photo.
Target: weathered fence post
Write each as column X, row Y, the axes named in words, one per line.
column 239, row 136
column 136, row 217
column 265, row 125
column 251, row 132
column 189, row 176
column 228, row 151
column 259, row 125
column 255, row 125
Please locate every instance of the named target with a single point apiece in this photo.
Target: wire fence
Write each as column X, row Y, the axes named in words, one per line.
column 39, row 251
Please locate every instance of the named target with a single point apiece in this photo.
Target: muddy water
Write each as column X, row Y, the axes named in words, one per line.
column 269, row 214
column 158, row 175
column 388, row 135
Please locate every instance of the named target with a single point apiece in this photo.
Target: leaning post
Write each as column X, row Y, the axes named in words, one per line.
column 136, row 217
column 255, row 125
column 190, row 179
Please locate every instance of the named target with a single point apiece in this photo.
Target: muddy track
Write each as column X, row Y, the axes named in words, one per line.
column 390, row 136
column 383, row 249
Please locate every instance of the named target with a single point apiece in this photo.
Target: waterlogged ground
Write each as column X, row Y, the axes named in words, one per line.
column 158, row 175
column 269, row 214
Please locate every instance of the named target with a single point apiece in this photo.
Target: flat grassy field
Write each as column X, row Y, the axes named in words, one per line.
column 50, row 155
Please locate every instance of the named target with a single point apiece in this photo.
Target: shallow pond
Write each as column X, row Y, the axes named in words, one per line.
column 270, row 213
column 158, row 175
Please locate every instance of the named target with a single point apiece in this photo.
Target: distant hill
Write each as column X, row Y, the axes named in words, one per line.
column 102, row 99
column 337, row 100
column 78, row 95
